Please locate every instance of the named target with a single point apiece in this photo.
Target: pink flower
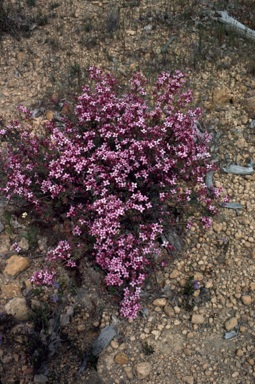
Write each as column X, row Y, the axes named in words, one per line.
column 16, row 247
column 119, row 165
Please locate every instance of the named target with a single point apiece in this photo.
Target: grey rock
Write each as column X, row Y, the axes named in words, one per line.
column 143, row 369
column 232, row 334
column 148, row 27
column 40, row 379
column 14, row 222
column 17, row 308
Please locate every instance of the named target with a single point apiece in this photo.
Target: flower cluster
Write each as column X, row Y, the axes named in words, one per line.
column 16, row 247
column 122, row 159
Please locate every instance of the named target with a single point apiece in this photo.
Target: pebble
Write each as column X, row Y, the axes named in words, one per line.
column 161, row 302
column 197, row 319
column 209, row 284
column 198, row 276
column 81, row 328
column 187, row 352
column 239, row 352
column 169, row 311
column 231, row 324
column 121, row 358
column 128, row 372
column 188, row 379
column 143, row 370
column 246, row 300
column 114, row 344
column 40, row 379
column 174, row 274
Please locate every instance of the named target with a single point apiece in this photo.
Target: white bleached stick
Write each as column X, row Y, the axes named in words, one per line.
column 234, row 25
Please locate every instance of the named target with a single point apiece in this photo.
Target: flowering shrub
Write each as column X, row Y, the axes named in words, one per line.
column 116, row 166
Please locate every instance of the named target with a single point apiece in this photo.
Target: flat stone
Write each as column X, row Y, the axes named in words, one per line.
column 197, row 319
column 161, row 302
column 231, row 324
column 143, row 370
column 15, row 265
column 246, row 299
column 121, row 358
column 17, row 308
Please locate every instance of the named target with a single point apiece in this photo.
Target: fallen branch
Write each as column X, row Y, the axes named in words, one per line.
column 233, row 25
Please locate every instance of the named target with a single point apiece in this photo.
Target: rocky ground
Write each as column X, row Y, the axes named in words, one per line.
column 185, row 338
